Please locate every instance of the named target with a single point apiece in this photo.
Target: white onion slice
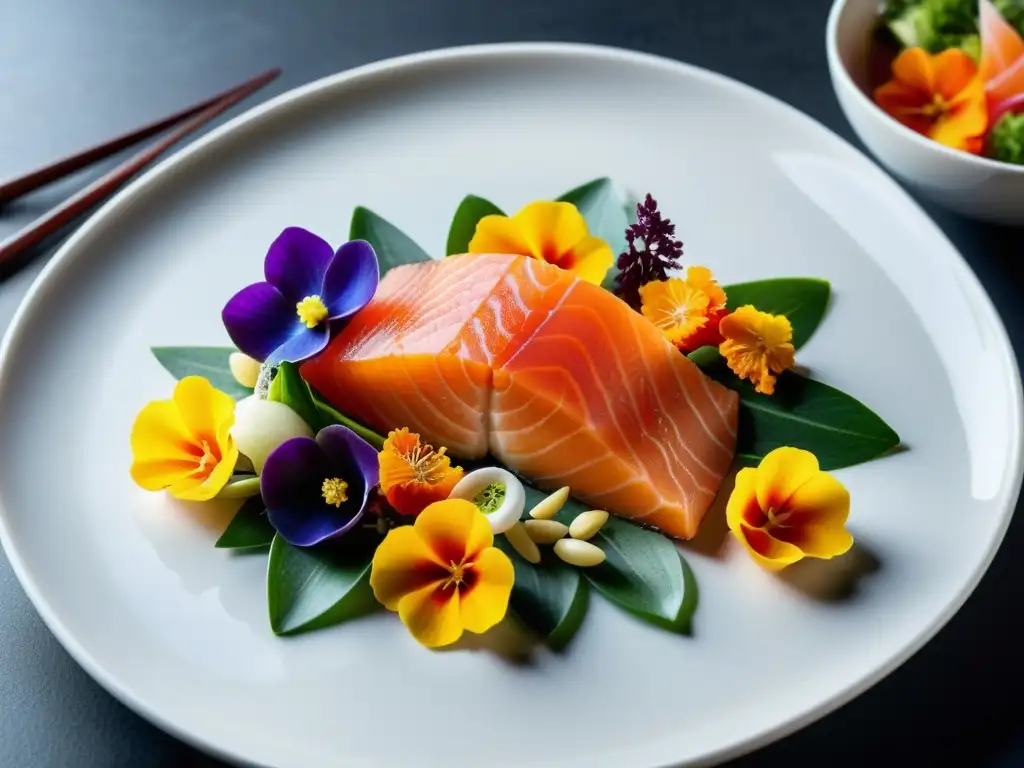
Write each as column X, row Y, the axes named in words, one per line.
column 511, row 509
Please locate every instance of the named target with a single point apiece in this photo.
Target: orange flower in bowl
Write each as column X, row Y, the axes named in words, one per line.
column 442, row 574
column 940, row 96
column 757, row 346
column 413, row 474
column 787, row 509
column 553, row 232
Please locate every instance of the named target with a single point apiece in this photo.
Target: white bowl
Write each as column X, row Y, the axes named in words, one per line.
column 975, row 186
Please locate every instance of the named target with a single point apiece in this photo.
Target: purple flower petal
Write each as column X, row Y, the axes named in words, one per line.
column 259, row 320
column 303, row 344
column 341, row 443
column 351, row 279
column 297, row 263
column 292, row 489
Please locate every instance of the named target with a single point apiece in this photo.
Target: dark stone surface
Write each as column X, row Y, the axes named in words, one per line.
column 73, row 73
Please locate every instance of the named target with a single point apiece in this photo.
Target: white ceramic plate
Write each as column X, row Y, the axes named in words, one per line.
column 131, row 585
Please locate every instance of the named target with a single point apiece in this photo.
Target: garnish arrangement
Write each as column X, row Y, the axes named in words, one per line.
column 957, row 72
column 538, row 414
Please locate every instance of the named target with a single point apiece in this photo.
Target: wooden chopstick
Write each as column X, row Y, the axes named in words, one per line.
column 15, row 188
column 75, row 206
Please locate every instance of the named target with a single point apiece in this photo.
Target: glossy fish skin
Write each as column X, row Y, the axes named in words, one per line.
column 555, row 377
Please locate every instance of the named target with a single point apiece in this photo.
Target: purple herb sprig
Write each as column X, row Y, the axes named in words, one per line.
column 651, row 250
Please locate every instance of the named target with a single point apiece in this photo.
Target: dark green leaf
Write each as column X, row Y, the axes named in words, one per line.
column 314, row 587
column 802, row 413
column 290, row 388
column 643, row 573
column 607, row 215
column 469, row 212
column 332, row 415
column 392, row 246
column 208, row 362
column 549, row 598
column 801, row 299
column 248, row 528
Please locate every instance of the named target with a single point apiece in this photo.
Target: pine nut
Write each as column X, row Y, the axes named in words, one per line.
column 245, row 369
column 548, row 508
column 587, row 524
column 522, row 543
column 579, row 553
column 546, row 531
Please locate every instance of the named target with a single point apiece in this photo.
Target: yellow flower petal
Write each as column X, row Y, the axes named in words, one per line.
column 431, row 615
column 551, row 229
column 781, row 473
column 768, row 551
column 757, row 345
column 485, row 602
column 199, row 488
column 589, row 259
column 821, row 500
column 701, row 279
column 159, row 434
column 673, row 305
column 498, row 234
column 203, row 409
column 402, row 564
column 742, row 505
column 820, row 541
column 454, row 529
column 158, row 474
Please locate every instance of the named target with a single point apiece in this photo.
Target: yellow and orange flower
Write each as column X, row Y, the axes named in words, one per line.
column 757, row 346
column 787, row 509
column 688, row 310
column 553, row 232
column 413, row 474
column 184, row 444
column 941, row 96
column 442, row 574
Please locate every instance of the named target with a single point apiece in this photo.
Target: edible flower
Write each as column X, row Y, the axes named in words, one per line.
column 787, row 509
column 553, row 232
column 308, row 289
column 184, row 444
column 757, row 346
column 413, row 474
column 442, row 574
column 496, row 492
column 688, row 310
column 317, row 489
column 940, row 96
column 651, row 250
column 262, row 425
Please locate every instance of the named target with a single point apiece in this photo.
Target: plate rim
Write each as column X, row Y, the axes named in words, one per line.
column 67, row 253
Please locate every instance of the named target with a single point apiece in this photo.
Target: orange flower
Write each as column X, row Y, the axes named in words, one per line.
column 940, row 96
column 788, row 509
column 413, row 474
column 442, row 574
column 687, row 310
column 757, row 345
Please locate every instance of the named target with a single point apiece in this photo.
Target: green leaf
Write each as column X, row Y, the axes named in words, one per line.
column 333, row 416
column 248, row 528
column 290, row 388
column 549, row 598
column 392, row 246
column 469, row 212
column 209, row 362
column 645, row 574
column 314, row 587
column 803, row 413
column 607, row 214
column 801, row 299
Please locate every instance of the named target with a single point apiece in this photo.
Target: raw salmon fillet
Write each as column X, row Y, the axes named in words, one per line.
column 556, row 377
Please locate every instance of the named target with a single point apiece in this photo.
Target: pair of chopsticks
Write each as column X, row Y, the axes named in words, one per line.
column 15, row 250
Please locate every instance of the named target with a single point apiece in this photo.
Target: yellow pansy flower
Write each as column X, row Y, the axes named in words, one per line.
column 553, row 232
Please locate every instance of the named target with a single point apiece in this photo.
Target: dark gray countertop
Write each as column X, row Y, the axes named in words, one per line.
column 73, row 73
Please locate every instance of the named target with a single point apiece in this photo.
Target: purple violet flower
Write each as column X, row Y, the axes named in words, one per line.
column 309, row 288
column 651, row 251
column 316, row 490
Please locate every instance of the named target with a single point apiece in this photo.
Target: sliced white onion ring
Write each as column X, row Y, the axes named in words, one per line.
column 511, row 509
